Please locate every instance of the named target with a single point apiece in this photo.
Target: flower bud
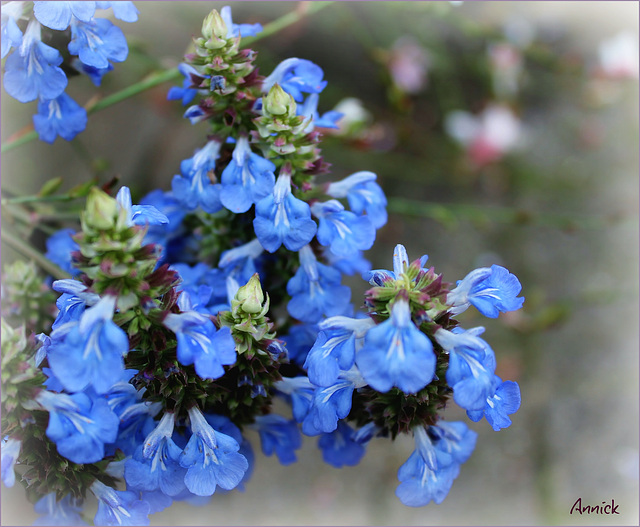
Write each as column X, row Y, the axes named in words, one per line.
column 278, row 102
column 251, row 296
column 101, row 212
column 214, row 30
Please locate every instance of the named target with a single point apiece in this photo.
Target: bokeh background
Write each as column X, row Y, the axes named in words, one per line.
column 551, row 193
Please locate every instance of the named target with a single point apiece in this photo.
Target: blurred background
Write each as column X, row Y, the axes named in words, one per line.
column 501, row 132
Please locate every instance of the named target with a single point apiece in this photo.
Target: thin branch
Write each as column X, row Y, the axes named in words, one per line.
column 30, row 252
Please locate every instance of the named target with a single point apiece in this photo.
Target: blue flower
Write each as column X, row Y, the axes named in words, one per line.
column 116, row 507
column 61, row 116
column 10, row 453
column 90, row 353
column 454, row 439
column 57, row 15
column 155, row 463
column 363, row 194
column 354, row 264
column 419, row 484
column 335, row 348
column 60, row 245
column 378, row 277
column 299, row 341
column 299, row 391
column 139, row 214
column 279, row 435
column 339, row 448
column 72, row 302
column 235, row 30
column 283, row 219
column 491, row 291
column 504, row 402
column 33, row 70
column 194, row 188
column 296, row 76
column 315, row 290
column 78, row 425
column 397, row 353
column 309, row 110
column 186, row 93
column 331, row 403
column 125, row 11
column 247, row 179
column 95, row 74
column 63, row 512
column 341, row 230
column 11, row 34
column 97, row 42
column 199, row 343
column 471, row 368
column 211, row 458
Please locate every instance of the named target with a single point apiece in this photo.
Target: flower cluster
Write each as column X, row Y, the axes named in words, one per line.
column 190, row 313
column 35, row 70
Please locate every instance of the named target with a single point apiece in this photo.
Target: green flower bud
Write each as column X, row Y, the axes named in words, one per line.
column 250, row 296
column 279, row 102
column 101, row 212
column 214, row 30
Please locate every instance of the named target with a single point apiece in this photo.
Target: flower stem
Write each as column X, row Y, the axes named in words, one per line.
column 29, row 252
column 28, row 134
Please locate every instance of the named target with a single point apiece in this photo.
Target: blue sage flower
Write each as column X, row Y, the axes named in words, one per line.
column 119, row 507
column 342, row 231
column 98, row 42
column 279, row 435
column 397, row 353
column 299, row 391
column 363, row 194
column 60, row 245
column 61, row 116
column 58, row 512
column 309, row 110
column 122, row 10
column 186, row 94
column 10, row 32
column 247, row 179
column 139, row 214
column 90, row 352
column 339, row 448
column 194, row 188
column 296, row 76
column 491, row 291
column 237, row 30
column 211, row 458
column 10, row 452
column 199, row 343
column 58, row 15
column 283, row 219
column 315, row 290
column 32, row 71
column 504, row 402
column 79, row 425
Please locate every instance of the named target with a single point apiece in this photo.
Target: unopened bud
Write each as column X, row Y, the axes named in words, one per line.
column 102, row 210
column 251, row 296
column 279, row 102
column 214, row 30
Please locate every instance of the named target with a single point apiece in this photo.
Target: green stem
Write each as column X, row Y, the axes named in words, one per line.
column 36, row 199
column 29, row 252
column 157, row 78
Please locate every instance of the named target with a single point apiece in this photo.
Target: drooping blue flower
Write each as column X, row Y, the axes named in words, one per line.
column 194, row 187
column 315, row 290
column 332, row 403
column 283, row 219
column 201, row 344
column 60, row 245
column 247, row 178
column 73, row 302
column 139, row 214
column 32, row 71
column 366, row 433
column 335, row 348
column 491, row 291
column 90, row 353
column 78, row 425
column 61, row 116
column 296, row 76
column 119, row 507
column 122, row 10
column 363, row 194
column 339, row 448
column 10, row 453
column 211, row 458
column 136, row 423
column 63, row 512
column 299, row 341
column 299, row 391
column 235, row 30
column 98, row 42
column 156, row 462
column 504, row 402
column 455, row 439
column 342, row 231
column 471, row 367
column 10, row 32
column 279, row 435
column 95, row 74
column 419, row 484
column 397, row 353
column 186, row 94
column 354, row 264
column 58, row 15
